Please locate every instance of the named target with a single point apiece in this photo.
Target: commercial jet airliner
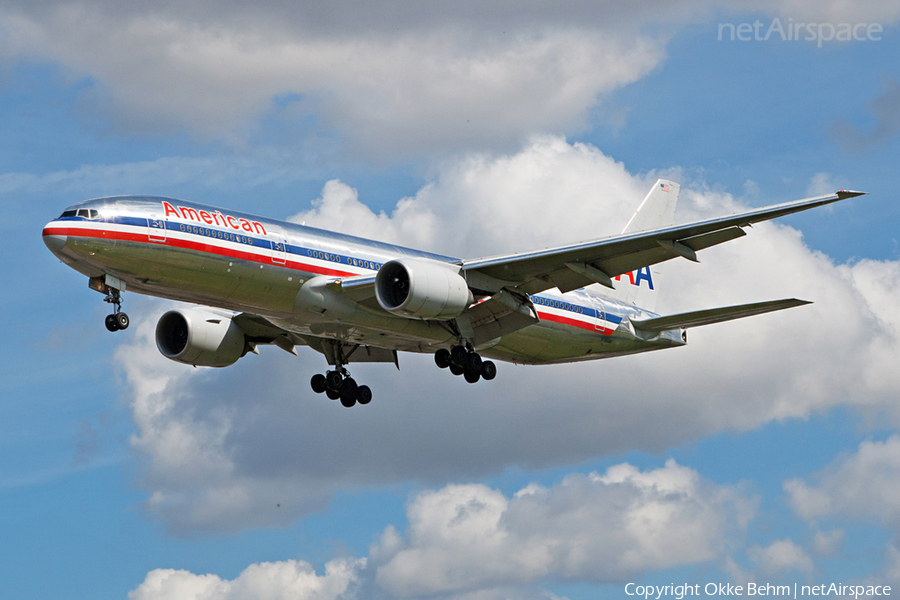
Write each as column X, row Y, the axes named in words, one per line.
column 262, row 281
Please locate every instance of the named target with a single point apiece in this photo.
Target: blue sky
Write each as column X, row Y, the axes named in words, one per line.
column 767, row 450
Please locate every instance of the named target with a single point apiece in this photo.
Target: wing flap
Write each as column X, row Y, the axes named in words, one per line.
column 700, row 242
column 713, row 315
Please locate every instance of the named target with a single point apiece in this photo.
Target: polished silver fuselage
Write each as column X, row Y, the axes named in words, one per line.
column 194, row 253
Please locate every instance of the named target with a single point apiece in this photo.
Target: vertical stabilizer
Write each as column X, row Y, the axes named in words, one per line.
column 655, row 212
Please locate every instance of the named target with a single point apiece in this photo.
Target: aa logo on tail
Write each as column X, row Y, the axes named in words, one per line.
column 636, row 277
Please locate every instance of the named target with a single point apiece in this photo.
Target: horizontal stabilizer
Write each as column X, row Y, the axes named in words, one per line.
column 714, row 315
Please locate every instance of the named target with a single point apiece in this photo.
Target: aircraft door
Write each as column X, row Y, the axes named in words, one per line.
column 599, row 314
column 156, row 230
column 279, row 247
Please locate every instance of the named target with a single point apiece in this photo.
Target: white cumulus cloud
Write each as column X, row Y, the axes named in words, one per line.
column 389, row 82
column 862, row 485
column 780, row 557
column 389, row 87
column 473, row 542
column 589, row 528
column 286, row 580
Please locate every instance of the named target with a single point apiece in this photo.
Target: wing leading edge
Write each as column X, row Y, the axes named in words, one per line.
column 577, row 265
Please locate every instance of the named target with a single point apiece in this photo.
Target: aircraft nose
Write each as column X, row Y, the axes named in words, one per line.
column 54, row 241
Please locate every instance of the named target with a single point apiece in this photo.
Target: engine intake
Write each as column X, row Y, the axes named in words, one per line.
column 421, row 289
column 199, row 338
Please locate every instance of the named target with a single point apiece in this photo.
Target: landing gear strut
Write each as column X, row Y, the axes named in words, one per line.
column 466, row 362
column 117, row 320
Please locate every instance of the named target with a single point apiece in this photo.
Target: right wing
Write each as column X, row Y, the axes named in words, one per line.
column 570, row 267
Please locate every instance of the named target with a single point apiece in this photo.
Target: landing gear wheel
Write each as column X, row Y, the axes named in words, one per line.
column 332, row 394
column 472, row 376
column 317, row 383
column 458, row 355
column 348, row 391
column 348, row 402
column 112, row 324
column 442, row 358
column 488, row 370
column 456, row 370
column 122, row 320
column 333, row 380
column 473, row 362
column 363, row 394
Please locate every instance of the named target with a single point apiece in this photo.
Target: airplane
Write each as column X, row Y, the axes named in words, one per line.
column 262, row 281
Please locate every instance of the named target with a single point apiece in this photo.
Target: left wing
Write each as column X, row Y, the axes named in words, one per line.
column 578, row 265
column 713, row 315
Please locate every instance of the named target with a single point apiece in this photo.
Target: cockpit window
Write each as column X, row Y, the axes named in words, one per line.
column 85, row 213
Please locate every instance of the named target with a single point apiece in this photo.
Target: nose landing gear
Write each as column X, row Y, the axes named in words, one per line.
column 117, row 320
column 466, row 362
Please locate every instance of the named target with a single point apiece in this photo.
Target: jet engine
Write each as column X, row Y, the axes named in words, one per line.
column 200, row 338
column 421, row 289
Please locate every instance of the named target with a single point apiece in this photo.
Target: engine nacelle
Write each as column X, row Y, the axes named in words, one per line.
column 200, row 338
column 421, row 289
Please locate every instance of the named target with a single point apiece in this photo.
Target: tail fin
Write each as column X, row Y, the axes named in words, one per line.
column 656, row 211
column 658, row 208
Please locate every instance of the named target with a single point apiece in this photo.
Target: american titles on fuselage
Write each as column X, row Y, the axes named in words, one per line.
column 213, row 217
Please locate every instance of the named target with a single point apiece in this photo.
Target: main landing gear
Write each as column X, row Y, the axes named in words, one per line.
column 466, row 362
column 338, row 385
column 117, row 320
